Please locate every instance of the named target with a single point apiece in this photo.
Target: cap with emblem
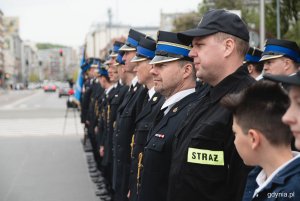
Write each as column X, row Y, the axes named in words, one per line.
column 145, row 49
column 119, row 60
column 170, row 48
column 215, row 21
column 276, row 48
column 95, row 62
column 115, row 50
column 102, row 71
column 132, row 40
column 289, row 80
column 253, row 55
column 90, row 63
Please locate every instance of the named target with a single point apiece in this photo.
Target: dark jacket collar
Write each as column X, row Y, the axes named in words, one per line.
column 229, row 82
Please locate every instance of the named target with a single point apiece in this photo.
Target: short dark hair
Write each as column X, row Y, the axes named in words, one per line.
column 258, row 66
column 184, row 62
column 261, row 107
column 106, row 77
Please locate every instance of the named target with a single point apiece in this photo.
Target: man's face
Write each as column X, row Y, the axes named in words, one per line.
column 143, row 72
column 127, row 57
column 207, row 56
column 91, row 73
column 102, row 81
column 274, row 66
column 242, row 143
column 167, row 77
column 292, row 115
column 113, row 74
column 112, row 61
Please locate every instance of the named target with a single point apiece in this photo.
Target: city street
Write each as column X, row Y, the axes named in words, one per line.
column 39, row 160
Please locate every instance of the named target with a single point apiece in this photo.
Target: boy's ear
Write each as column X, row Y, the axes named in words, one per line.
column 254, row 137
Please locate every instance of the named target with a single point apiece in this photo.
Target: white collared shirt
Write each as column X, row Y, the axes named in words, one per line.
column 262, row 179
column 120, row 81
column 115, row 85
column 170, row 102
column 134, row 81
column 259, row 77
column 109, row 89
column 151, row 92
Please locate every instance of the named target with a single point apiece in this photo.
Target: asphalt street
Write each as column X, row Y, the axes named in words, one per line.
column 38, row 162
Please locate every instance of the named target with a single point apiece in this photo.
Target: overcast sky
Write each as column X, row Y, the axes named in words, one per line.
column 68, row 21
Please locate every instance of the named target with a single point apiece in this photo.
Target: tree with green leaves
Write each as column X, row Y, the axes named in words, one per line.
column 186, row 21
column 48, row 46
column 289, row 16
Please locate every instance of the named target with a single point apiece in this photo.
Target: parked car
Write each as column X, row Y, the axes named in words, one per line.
column 65, row 91
column 49, row 87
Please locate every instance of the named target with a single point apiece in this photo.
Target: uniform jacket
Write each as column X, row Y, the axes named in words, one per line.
column 144, row 123
column 102, row 116
column 125, row 125
column 114, row 99
column 157, row 153
column 86, row 100
column 284, row 186
column 95, row 103
column 205, row 164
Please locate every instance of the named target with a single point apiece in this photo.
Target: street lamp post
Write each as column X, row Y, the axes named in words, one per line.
column 278, row 19
column 262, row 23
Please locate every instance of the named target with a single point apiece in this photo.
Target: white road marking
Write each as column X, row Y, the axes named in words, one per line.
column 40, row 127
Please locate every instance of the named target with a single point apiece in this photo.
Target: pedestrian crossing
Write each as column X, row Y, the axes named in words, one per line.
column 41, row 126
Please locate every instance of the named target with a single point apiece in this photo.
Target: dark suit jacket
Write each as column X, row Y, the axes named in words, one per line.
column 113, row 101
column 205, row 164
column 157, row 154
column 127, row 113
column 144, row 123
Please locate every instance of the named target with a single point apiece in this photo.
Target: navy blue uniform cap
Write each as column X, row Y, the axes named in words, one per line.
column 145, row 50
column 91, row 63
column 170, row 48
column 215, row 21
column 119, row 60
column 132, row 40
column 276, row 48
column 253, row 55
column 102, row 71
column 115, row 50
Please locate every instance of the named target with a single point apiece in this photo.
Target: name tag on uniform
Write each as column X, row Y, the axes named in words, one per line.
column 206, row 157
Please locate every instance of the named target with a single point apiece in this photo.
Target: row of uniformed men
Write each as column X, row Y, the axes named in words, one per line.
column 159, row 136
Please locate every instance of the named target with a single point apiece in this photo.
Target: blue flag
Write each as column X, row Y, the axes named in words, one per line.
column 80, row 79
column 78, row 86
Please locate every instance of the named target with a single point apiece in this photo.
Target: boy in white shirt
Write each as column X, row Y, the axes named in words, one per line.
column 263, row 140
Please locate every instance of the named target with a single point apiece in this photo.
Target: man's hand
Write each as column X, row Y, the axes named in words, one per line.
column 101, row 151
column 128, row 194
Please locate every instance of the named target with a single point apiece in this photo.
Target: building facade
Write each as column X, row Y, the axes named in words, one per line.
column 2, row 74
column 101, row 36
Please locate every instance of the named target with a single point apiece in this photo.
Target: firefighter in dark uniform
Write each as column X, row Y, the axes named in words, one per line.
column 144, row 121
column 86, row 92
column 280, row 57
column 251, row 61
column 93, row 111
column 113, row 99
column 205, row 164
column 108, row 86
column 127, row 113
column 174, row 78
